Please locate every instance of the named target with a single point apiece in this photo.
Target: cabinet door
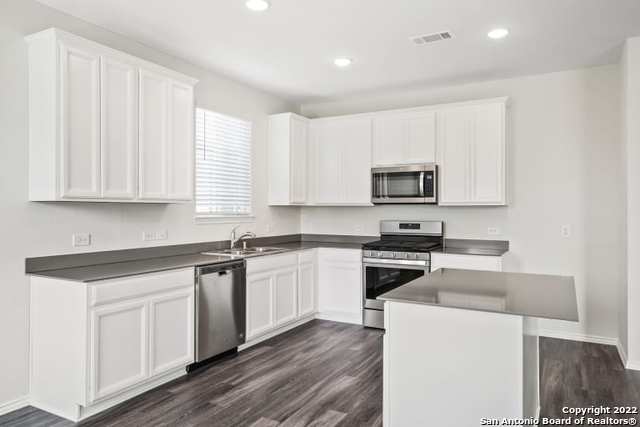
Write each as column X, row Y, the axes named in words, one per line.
column 487, row 156
column 153, row 179
column 421, row 138
column 260, row 312
column 356, row 161
column 326, row 137
column 298, row 160
column 119, row 353
column 306, row 289
column 340, row 281
column 286, row 295
column 455, row 133
column 465, row 262
column 79, row 122
column 171, row 331
column 180, row 160
column 118, row 129
column 389, row 138
column 404, row 138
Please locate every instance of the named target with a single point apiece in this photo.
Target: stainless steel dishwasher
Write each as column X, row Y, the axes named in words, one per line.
column 220, row 308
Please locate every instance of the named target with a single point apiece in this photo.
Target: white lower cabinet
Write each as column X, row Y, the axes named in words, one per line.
column 260, row 317
column 306, row 288
column 340, row 284
column 94, row 345
column 119, row 350
column 465, row 262
column 285, row 283
column 280, row 291
column 171, row 333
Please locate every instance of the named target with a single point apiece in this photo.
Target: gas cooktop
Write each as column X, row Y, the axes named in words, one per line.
column 402, row 245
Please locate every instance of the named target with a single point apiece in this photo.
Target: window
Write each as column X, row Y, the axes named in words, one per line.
column 223, row 165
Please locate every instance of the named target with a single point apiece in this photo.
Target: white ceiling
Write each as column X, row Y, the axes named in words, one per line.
column 289, row 49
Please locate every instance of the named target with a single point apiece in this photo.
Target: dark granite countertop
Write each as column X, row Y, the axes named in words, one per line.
column 114, row 270
column 95, row 266
column 530, row 295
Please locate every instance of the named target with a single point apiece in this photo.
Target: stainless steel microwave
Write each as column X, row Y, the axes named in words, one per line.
column 405, row 184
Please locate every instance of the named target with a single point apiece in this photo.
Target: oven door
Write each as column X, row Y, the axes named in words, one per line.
column 404, row 184
column 380, row 278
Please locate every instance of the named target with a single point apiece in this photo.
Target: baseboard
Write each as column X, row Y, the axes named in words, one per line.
column 278, row 331
column 340, row 316
column 633, row 365
column 14, row 405
column 596, row 339
column 622, row 353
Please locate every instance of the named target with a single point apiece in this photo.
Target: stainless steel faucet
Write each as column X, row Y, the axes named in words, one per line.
column 242, row 238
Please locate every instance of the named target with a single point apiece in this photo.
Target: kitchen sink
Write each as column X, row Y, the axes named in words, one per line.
column 248, row 252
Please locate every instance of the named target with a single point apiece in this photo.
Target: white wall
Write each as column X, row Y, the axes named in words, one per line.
column 564, row 165
column 33, row 229
column 630, row 294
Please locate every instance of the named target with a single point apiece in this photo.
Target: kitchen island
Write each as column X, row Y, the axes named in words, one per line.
column 459, row 346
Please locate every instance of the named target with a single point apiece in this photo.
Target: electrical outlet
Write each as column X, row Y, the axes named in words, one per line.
column 565, row 231
column 493, row 231
column 358, row 228
column 269, row 228
column 81, row 239
column 150, row 236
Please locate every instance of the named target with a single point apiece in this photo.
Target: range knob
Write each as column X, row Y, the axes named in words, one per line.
column 400, row 255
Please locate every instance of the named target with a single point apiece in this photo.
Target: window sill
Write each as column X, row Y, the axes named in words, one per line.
column 214, row 219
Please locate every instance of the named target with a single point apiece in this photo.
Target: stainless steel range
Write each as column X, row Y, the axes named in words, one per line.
column 401, row 255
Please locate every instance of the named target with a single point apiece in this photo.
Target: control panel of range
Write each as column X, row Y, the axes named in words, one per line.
column 422, row 256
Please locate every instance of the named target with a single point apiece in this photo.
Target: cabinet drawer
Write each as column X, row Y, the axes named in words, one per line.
column 465, row 262
column 144, row 284
column 340, row 255
column 271, row 262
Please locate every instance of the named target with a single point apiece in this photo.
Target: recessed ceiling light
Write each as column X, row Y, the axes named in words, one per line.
column 342, row 62
column 258, row 5
column 498, row 33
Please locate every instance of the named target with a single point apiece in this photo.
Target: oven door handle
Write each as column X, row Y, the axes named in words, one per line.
column 398, row 263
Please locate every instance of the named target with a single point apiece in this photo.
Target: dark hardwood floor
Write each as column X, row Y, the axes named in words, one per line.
column 578, row 374
column 330, row 374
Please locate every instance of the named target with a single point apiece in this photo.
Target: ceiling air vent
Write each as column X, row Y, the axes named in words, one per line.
column 430, row 38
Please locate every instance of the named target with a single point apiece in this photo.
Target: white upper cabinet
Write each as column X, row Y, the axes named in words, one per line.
column 79, row 71
column 180, row 144
column 118, row 128
column 327, row 161
column 341, row 161
column 471, row 154
column 106, row 126
column 404, row 138
column 287, row 157
column 154, row 90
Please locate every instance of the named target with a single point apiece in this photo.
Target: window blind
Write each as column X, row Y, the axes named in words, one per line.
column 223, row 165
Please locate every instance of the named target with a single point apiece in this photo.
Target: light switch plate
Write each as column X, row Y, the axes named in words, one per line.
column 81, row 239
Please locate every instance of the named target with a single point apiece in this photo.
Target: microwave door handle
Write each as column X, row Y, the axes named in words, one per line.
column 421, row 184
column 385, row 186
column 376, row 185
